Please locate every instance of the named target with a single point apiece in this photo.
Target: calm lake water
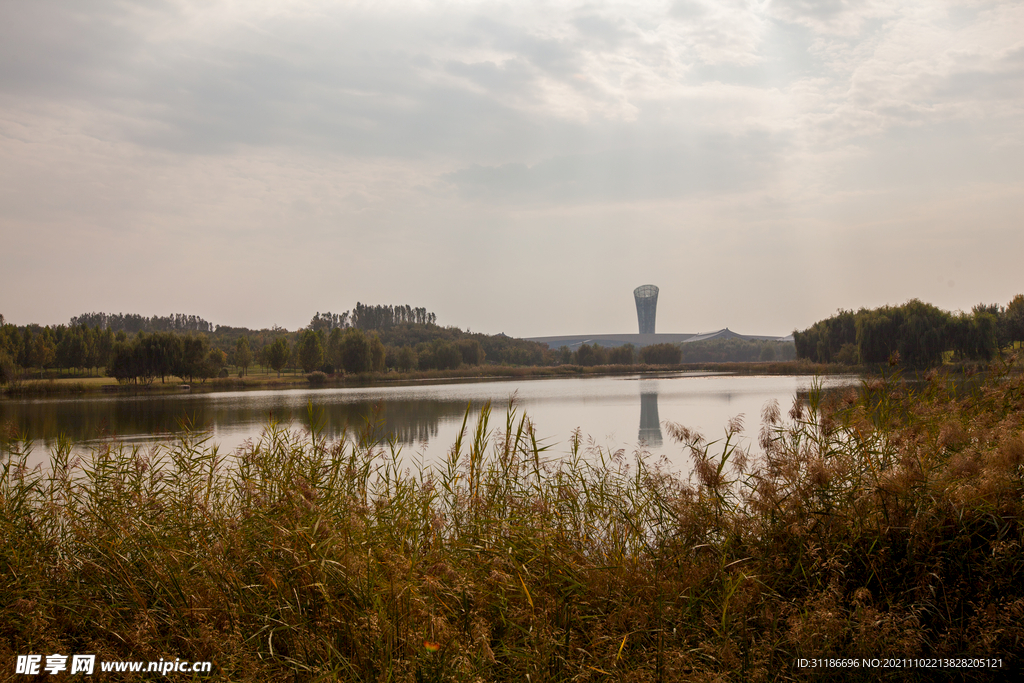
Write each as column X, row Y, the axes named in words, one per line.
column 614, row 412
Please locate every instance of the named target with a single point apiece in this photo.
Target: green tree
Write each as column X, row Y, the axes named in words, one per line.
column 217, row 359
column 191, row 364
column 355, row 351
column 277, row 354
column 425, row 357
column 406, row 358
column 917, row 331
column 43, row 352
column 311, row 353
column 1013, row 320
column 243, row 354
column 334, row 349
column 472, row 352
column 102, row 348
column 446, row 355
column 377, row 353
column 71, row 348
column 121, row 364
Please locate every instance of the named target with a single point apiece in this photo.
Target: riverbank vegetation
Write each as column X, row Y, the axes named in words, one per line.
column 365, row 345
column 398, row 343
column 878, row 524
column 918, row 334
column 139, row 350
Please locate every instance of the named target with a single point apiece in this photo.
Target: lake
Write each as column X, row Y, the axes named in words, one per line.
column 613, row 412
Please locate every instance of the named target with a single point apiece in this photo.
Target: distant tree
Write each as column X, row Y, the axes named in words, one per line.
column 217, row 359
column 311, row 354
column 133, row 322
column 1013, row 320
column 767, row 352
column 661, row 354
column 172, row 348
column 472, row 352
column 377, row 354
column 71, row 348
column 355, row 351
column 277, row 354
column 425, row 357
column 243, row 354
column 7, row 371
column 526, row 353
column 585, row 355
column 564, row 355
column 447, row 356
column 592, row 355
column 43, row 352
column 406, row 359
column 329, row 321
column 120, row 365
column 191, row 364
column 102, row 347
column 848, row 354
column 917, row 331
column 622, row 355
column 825, row 338
column 384, row 317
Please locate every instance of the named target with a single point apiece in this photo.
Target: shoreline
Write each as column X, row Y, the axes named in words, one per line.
column 71, row 386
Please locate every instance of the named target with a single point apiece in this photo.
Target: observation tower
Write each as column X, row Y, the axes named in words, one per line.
column 646, row 307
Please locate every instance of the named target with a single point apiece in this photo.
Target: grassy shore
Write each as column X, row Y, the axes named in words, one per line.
column 884, row 523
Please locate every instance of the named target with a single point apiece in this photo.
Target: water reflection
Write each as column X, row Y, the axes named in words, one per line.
column 650, row 423
column 156, row 418
column 423, row 419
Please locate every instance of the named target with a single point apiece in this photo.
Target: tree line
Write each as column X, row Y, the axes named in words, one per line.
column 377, row 317
column 133, row 322
column 589, row 355
column 735, row 350
column 63, row 347
column 408, row 338
column 383, row 317
column 916, row 333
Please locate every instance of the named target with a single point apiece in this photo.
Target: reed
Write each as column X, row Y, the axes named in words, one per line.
column 879, row 523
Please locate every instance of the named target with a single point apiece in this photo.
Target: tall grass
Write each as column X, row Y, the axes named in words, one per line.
column 879, row 523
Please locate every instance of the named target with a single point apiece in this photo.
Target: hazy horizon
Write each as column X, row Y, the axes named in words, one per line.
column 513, row 167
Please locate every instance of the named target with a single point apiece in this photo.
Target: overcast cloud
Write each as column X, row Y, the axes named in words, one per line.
column 515, row 167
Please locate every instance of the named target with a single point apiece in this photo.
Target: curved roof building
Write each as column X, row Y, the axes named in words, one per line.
column 646, row 297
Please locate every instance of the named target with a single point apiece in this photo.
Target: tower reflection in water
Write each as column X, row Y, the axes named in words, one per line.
column 650, row 423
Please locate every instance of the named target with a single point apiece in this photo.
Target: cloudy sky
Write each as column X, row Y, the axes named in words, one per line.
column 512, row 166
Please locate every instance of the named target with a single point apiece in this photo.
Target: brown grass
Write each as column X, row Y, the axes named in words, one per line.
column 881, row 523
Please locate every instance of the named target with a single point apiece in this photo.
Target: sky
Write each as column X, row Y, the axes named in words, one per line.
column 515, row 167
